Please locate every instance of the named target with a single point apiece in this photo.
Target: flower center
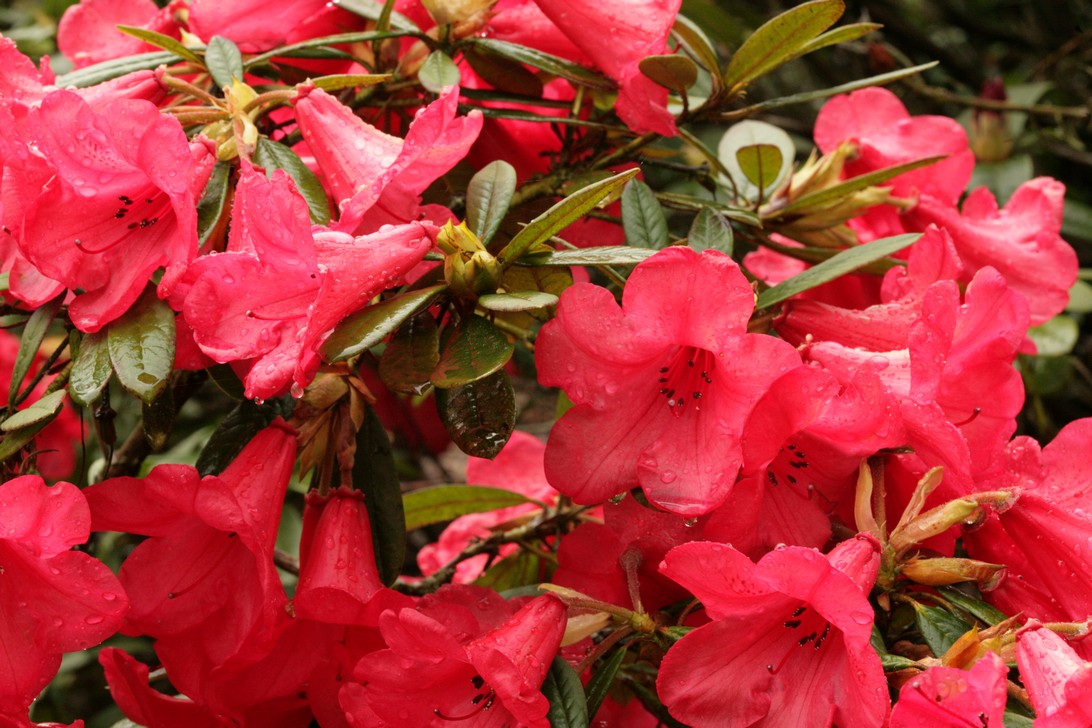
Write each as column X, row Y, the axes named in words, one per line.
column 809, row 632
column 482, row 700
column 686, row 378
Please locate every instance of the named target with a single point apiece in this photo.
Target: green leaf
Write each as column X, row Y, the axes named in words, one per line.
column 321, row 44
column 39, row 413
column 438, row 72
column 602, row 680
column 835, row 193
column 441, row 503
column 274, row 155
column 34, row 333
column 711, row 231
column 568, row 704
column 561, row 215
column 1056, row 337
column 503, row 73
column 692, row 40
column 475, row 350
column 107, row 70
column 843, row 34
column 939, row 628
column 159, row 40
column 642, row 216
column 368, row 327
column 487, row 198
column 517, row 301
column 1015, row 720
column 761, row 164
column 338, row 81
column 605, row 255
column 1080, row 298
column 780, row 40
column 224, row 61
column 673, row 71
column 375, row 474
column 480, row 416
column 977, row 608
column 210, row 209
column 225, row 378
column 894, row 663
column 411, row 355
column 543, row 61
column 757, row 156
column 844, row 262
column 91, row 369
column 372, row 10
column 237, row 429
column 141, row 345
column 158, row 420
column 512, row 572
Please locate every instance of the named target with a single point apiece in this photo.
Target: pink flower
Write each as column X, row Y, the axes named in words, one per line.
column 88, row 31
column 53, row 599
column 617, row 36
column 663, row 385
column 789, row 641
column 374, row 176
column 948, row 696
column 1058, row 681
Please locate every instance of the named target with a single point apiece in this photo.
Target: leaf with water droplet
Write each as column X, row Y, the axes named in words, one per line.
column 474, row 349
column 141, row 345
column 369, row 326
column 517, row 301
column 480, row 416
column 91, row 369
column 411, row 355
column 939, row 628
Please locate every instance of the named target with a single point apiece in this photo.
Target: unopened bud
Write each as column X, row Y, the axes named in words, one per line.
column 469, row 268
column 990, row 137
column 945, row 571
column 455, row 11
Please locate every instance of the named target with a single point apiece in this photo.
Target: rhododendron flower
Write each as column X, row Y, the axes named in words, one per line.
column 120, row 203
column 451, row 664
column 88, row 32
column 375, row 176
column 789, row 641
column 949, row 696
column 1058, row 681
column 53, row 599
column 617, row 36
column 664, row 384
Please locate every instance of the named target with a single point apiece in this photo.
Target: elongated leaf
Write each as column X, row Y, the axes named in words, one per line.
column 487, row 198
column 375, row 474
column 320, row 45
column 91, row 369
column 894, row 663
column 349, row 80
column 159, row 40
column 438, row 72
column 475, row 350
column 843, row 34
column 672, row 71
column 568, row 705
column 561, row 215
column 237, row 429
column 38, row 413
column 840, row 190
column 711, row 231
column 780, row 39
column 977, row 608
column 34, row 333
column 100, row 72
column 543, row 61
column 159, row 420
column 440, row 503
column 274, row 155
column 503, row 74
column 372, row 10
column 606, row 255
column 210, row 209
column 480, row 416
column 1015, row 720
column 693, row 41
column 517, row 115
column 512, row 572
column 939, row 628
column 642, row 216
column 141, row 345
column 842, row 263
column 224, row 61
column 602, row 680
column 517, row 301
column 368, row 327
column 411, row 356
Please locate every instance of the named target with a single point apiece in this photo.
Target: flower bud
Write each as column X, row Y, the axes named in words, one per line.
column 469, row 268
column 945, row 571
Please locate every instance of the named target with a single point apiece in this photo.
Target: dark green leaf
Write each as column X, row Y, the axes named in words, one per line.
column 543, row 61
column 224, row 61
column 487, row 198
column 692, row 39
column 605, row 255
column 237, row 429
column 893, row 663
column 843, row 34
column 440, row 503
column 224, row 377
column 368, row 327
column 642, row 216
column 107, row 70
column 541, row 118
column 38, row 413
column 274, row 155
column 562, row 214
column 1015, row 720
column 301, row 49
column 375, row 474
column 15, row 441
column 502, row 73
column 34, row 333
column 372, row 10
column 780, row 40
column 602, row 680
column 512, row 572
column 568, row 705
column 339, row 81
column 842, row 263
column 835, row 193
column 210, row 209
column 141, row 345
column 91, row 369
column 711, row 231
column 479, row 417
column 159, row 419
column 475, row 349
column 977, row 608
column 159, row 40
column 438, row 72
column 673, row 71
column 517, row 301
column 411, row 355
column 939, row 628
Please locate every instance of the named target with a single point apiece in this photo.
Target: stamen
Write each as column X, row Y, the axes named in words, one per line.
column 692, row 379
column 479, row 705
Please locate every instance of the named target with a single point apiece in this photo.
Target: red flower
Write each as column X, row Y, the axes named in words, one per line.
column 948, row 696
column 1058, row 681
column 664, row 385
column 88, row 32
column 54, row 600
column 789, row 641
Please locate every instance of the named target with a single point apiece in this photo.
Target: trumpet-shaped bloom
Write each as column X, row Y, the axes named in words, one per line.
column 952, row 697
column 664, row 384
column 789, row 640
column 1058, row 681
